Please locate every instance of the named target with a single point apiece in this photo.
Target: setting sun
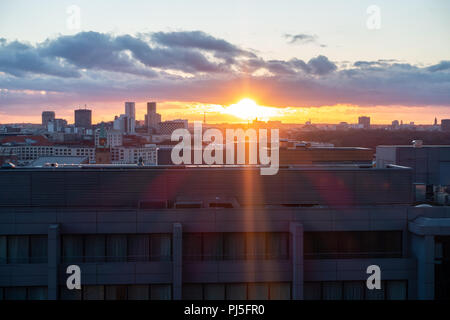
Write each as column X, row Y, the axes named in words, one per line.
column 247, row 109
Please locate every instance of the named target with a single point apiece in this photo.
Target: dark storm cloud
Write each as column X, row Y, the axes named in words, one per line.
column 198, row 40
column 93, row 50
column 181, row 59
column 19, row 59
column 92, row 66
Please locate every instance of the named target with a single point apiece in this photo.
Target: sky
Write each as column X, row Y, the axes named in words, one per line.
column 324, row 61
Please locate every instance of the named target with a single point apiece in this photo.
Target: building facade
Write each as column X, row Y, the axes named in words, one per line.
column 308, row 232
column 30, row 152
column 83, row 118
column 132, row 155
column 46, row 117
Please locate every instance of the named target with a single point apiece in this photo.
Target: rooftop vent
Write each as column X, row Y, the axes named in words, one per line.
column 417, row 143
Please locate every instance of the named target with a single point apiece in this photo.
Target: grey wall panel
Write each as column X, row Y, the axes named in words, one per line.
column 125, row 188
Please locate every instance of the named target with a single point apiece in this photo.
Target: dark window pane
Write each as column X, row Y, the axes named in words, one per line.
column 280, row 291
column 236, row 291
column 116, row 248
column 332, row 290
column 277, row 245
column 312, row 291
column 116, row 293
column 192, row 246
column 138, row 247
column 37, row 293
column 16, row 293
column 160, row 292
column 234, row 246
column 72, row 248
column 3, row 255
column 138, row 292
column 93, row 293
column 94, row 248
column 18, row 249
column 39, row 245
column 256, row 245
column 66, row 294
column 161, row 247
column 212, row 246
column 192, row 291
column 354, row 290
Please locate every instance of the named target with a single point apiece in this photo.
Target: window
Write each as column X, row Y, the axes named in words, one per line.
column 23, row 293
column 214, row 291
column 355, row 290
column 138, row 247
column 160, row 247
column 72, row 248
column 118, row 292
column 94, row 248
column 3, row 254
column 116, row 248
column 352, row 244
column 277, row 245
column 161, row 292
column 18, row 249
column 235, row 246
column 192, row 246
column 39, row 247
column 237, row 291
column 93, row 293
column 279, row 291
column 256, row 245
column 258, row 291
column 138, row 292
column 212, row 246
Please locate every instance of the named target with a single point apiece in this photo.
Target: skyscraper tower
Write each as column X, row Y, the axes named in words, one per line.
column 152, row 118
column 47, row 116
column 83, row 118
column 130, row 112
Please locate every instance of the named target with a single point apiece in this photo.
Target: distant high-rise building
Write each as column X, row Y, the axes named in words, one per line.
column 395, row 124
column 152, row 119
column 130, row 112
column 83, row 118
column 364, row 121
column 47, row 116
column 435, row 121
column 151, row 107
column 445, row 125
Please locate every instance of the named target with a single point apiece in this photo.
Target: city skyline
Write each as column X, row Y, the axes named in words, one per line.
column 324, row 62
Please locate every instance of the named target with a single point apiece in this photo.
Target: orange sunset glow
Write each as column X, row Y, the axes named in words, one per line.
column 247, row 109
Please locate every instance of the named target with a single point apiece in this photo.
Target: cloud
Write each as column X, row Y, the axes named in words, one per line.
column 19, row 59
column 443, row 65
column 199, row 40
column 93, row 50
column 303, row 38
column 194, row 66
